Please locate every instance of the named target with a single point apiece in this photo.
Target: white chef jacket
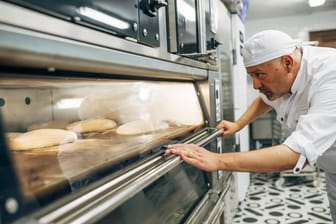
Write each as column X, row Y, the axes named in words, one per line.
column 309, row 111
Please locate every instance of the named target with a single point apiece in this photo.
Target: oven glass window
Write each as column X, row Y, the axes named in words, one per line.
column 62, row 132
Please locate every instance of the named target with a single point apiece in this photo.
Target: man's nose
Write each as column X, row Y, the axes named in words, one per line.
column 256, row 83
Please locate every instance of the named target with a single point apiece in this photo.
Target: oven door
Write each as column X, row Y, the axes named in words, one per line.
column 126, row 18
column 182, row 16
column 101, row 172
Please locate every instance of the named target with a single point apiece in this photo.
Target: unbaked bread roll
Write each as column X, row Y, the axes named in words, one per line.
column 141, row 127
column 42, row 138
column 91, row 125
column 56, row 124
column 11, row 135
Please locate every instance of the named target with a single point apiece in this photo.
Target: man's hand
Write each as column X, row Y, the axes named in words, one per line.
column 229, row 127
column 195, row 156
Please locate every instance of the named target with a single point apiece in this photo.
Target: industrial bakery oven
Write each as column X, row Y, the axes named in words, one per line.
column 84, row 125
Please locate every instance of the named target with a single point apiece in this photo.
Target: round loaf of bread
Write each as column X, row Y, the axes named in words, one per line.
column 56, row 124
column 42, row 138
column 141, row 127
column 91, row 125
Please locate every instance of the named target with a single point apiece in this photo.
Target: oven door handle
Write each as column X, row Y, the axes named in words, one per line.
column 209, row 138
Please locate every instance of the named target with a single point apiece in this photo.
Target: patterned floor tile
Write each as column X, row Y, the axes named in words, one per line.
column 298, row 200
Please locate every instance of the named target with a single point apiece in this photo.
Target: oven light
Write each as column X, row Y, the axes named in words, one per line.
column 104, row 18
column 69, row 103
column 186, row 10
column 143, row 94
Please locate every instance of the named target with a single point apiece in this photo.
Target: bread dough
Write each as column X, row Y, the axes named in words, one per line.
column 10, row 135
column 42, row 138
column 91, row 125
column 141, row 127
column 56, row 124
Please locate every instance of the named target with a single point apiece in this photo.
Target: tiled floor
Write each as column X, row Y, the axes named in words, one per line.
column 296, row 201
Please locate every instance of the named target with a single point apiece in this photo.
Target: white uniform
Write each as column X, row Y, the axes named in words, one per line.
column 310, row 113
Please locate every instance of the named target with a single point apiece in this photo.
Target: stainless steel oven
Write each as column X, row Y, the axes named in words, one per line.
column 85, row 122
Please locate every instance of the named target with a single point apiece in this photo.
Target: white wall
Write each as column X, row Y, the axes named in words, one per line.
column 295, row 26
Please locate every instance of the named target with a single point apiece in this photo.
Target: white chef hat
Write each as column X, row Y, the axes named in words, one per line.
column 267, row 45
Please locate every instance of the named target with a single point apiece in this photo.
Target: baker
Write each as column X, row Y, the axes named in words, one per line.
column 299, row 82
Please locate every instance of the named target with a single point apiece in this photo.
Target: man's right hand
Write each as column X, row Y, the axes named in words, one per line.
column 229, row 127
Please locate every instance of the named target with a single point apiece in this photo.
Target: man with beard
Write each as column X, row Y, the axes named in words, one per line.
column 299, row 83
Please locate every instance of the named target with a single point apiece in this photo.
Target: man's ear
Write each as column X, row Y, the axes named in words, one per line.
column 288, row 62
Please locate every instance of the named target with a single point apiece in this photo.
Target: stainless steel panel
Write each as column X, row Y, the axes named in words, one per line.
column 25, row 107
column 52, row 53
column 186, row 16
column 262, row 127
column 202, row 5
column 215, row 93
column 230, row 200
column 171, row 26
column 224, row 54
column 209, row 23
column 149, row 32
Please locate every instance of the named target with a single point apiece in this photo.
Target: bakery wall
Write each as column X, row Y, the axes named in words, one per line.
column 295, row 26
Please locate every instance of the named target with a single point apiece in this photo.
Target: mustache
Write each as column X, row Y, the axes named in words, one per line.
column 264, row 90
